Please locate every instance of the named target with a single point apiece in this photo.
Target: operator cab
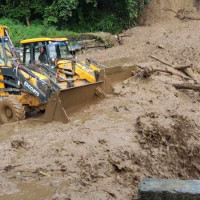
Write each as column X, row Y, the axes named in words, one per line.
column 45, row 50
column 5, row 52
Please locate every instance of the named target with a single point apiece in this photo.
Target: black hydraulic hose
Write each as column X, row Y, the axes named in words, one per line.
column 54, row 73
column 73, row 69
column 9, row 83
column 9, row 90
column 19, row 66
column 48, row 69
column 55, row 85
column 73, row 66
column 11, row 44
column 95, row 62
column 66, row 72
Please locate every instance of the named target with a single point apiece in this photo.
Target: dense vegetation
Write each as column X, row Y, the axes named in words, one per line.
column 75, row 15
column 19, row 31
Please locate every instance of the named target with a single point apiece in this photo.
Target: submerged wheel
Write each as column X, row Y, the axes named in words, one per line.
column 11, row 110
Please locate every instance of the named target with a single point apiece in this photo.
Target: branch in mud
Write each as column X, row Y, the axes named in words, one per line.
column 119, row 39
column 180, row 15
column 195, row 76
column 181, row 70
column 186, row 86
column 110, row 193
column 191, row 18
column 167, row 69
column 181, row 67
column 161, row 61
column 147, row 72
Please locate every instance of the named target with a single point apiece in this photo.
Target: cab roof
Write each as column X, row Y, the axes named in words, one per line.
column 34, row 40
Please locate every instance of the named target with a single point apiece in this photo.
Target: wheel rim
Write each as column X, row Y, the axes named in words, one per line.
column 8, row 113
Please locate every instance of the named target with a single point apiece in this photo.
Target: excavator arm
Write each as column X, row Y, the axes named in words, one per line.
column 19, row 84
column 19, row 77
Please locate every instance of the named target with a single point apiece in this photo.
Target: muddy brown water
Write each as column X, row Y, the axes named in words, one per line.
column 10, row 129
column 30, row 191
column 106, row 149
column 147, row 128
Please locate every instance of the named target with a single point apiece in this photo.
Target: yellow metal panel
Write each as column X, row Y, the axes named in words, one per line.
column 64, row 63
column 33, row 80
column 41, row 76
column 83, row 71
column 2, row 85
column 92, row 66
column 61, row 75
column 29, row 78
column 8, row 64
column 2, row 28
column 43, row 40
column 28, row 99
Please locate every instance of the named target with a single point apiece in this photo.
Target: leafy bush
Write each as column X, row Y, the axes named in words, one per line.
column 18, row 31
column 111, row 23
column 79, row 15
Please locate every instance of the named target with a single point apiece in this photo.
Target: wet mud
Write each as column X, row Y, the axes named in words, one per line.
column 146, row 128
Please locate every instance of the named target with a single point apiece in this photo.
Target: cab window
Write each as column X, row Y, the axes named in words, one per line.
column 7, row 53
column 35, row 52
column 27, row 55
column 1, row 53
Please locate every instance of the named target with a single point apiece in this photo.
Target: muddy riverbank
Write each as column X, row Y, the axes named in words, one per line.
column 147, row 128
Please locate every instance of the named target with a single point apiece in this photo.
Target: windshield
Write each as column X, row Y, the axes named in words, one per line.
column 5, row 55
column 58, row 50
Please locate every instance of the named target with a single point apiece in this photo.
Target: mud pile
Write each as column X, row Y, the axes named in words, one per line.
column 162, row 10
column 147, row 128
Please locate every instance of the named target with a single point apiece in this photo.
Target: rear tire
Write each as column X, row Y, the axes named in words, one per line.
column 11, row 110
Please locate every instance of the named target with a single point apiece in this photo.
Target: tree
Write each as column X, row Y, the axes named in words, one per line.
column 59, row 12
column 87, row 15
column 22, row 10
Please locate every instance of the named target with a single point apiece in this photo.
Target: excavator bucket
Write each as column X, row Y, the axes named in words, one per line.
column 67, row 101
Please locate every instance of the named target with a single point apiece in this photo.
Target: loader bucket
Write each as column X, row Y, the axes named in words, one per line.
column 67, row 101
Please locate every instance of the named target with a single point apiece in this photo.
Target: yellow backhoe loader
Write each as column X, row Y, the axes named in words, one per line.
column 21, row 89
column 82, row 81
column 59, row 89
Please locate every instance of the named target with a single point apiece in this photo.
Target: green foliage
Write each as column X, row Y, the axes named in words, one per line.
column 22, row 10
column 78, row 15
column 110, row 23
column 19, row 31
column 59, row 11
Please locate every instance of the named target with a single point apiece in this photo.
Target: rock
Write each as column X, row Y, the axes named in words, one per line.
column 162, row 189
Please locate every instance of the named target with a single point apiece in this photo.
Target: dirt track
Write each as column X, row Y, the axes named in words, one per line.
column 147, row 128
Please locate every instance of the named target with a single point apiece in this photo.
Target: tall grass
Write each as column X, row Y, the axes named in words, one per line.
column 18, row 31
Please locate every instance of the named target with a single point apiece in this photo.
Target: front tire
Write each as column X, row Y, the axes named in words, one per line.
column 11, row 110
